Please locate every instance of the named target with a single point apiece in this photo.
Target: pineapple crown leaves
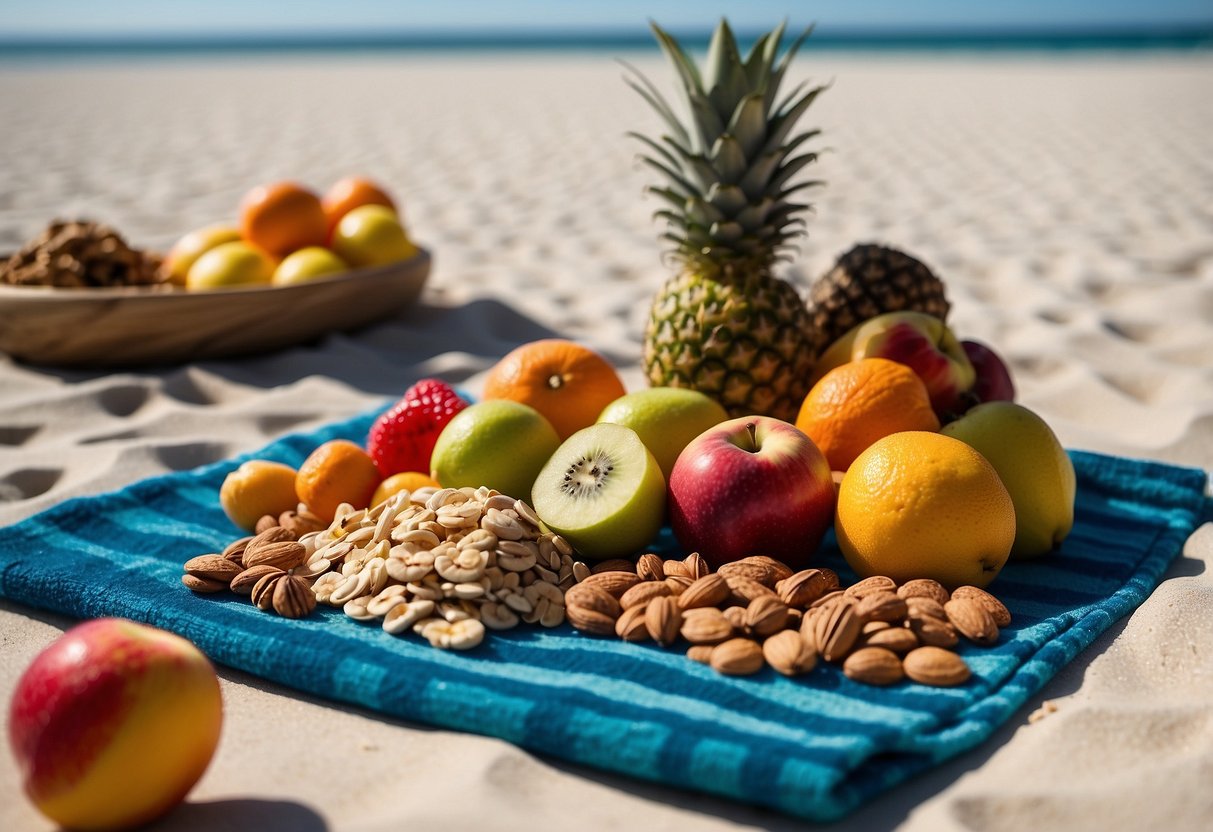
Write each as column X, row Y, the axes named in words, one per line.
column 728, row 169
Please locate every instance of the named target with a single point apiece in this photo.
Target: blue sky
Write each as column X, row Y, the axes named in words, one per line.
column 103, row 17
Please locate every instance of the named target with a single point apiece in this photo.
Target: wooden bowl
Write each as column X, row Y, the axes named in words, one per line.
column 131, row 325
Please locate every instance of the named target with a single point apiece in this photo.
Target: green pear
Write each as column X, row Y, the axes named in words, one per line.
column 666, row 419
column 1032, row 465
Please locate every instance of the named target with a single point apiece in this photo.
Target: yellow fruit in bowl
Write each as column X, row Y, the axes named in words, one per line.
column 186, row 251
column 306, row 264
column 404, row 481
column 230, row 265
column 918, row 504
column 371, row 235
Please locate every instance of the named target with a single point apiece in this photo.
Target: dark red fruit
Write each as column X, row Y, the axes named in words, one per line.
column 402, row 439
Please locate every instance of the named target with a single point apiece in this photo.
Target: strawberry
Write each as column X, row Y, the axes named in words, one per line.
column 403, row 437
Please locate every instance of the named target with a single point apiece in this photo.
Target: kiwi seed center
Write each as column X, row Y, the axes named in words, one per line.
column 585, row 477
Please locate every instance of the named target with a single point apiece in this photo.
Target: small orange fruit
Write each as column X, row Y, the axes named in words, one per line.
column 567, row 383
column 918, row 504
column 404, row 481
column 337, row 472
column 282, row 217
column 257, row 488
column 859, row 402
column 350, row 193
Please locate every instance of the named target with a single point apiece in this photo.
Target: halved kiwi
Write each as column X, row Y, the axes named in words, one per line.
column 603, row 491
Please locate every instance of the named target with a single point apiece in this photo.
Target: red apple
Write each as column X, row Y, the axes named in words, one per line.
column 751, row 486
column 994, row 382
column 113, row 724
column 924, row 344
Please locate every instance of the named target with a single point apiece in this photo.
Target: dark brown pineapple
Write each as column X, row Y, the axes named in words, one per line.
column 867, row 281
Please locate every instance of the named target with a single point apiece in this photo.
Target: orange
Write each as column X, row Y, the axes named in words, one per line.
column 350, row 193
column 568, row 383
column 405, row 481
column 337, row 472
column 257, row 488
column 282, row 217
column 924, row 505
column 859, row 402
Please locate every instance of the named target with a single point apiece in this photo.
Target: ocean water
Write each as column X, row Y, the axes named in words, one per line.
column 1182, row 38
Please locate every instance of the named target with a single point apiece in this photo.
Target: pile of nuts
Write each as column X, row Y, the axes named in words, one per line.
column 756, row 611
column 449, row 563
column 80, row 255
column 444, row 563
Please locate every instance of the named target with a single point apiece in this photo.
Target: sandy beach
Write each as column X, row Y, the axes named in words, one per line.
column 1067, row 203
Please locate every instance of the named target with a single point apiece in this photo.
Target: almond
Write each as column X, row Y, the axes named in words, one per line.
column 836, row 630
column 675, row 569
column 286, row 554
column 935, row 666
column 701, row 653
column 262, row 595
column 213, row 568
column 973, row 620
column 631, row 626
column 203, row 586
column 650, row 568
column 735, row 616
column 592, row 598
column 708, row 591
column 664, row 620
column 697, row 566
column 934, row 632
column 881, row 605
column 782, row 570
column 924, row 588
column 829, row 598
column 267, row 522
column 737, row 657
column 235, row 550
column 642, row 593
column 766, row 616
column 293, row 597
column 678, row 584
column 590, row 621
column 803, row 588
column 614, row 583
column 789, row 653
column 754, row 569
column 831, row 578
column 869, row 585
column 996, row 609
column 743, row 590
column 272, row 534
column 873, row 666
column 243, row 583
column 705, row 626
column 898, row 639
column 920, row 606
column 299, row 524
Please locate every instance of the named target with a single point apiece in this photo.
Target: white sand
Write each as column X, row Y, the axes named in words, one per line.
column 1067, row 202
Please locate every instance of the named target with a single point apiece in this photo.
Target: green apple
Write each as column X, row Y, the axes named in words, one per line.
column 307, row 263
column 1033, row 466
column 186, row 251
column 501, row 444
column 229, row 265
column 371, row 235
column 603, row 491
column 666, row 419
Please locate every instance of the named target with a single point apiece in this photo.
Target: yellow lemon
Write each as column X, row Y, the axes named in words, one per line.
column 918, row 504
column 405, row 481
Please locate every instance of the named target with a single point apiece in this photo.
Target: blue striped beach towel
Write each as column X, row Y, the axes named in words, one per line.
column 817, row 746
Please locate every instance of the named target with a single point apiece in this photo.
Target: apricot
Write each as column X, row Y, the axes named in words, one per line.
column 282, row 217
column 337, row 472
column 257, row 488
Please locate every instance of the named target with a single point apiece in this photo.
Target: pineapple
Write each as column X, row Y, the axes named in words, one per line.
column 725, row 325
column 867, row 281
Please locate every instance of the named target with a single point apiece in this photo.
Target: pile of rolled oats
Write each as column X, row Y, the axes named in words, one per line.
column 756, row 612
column 444, row 563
